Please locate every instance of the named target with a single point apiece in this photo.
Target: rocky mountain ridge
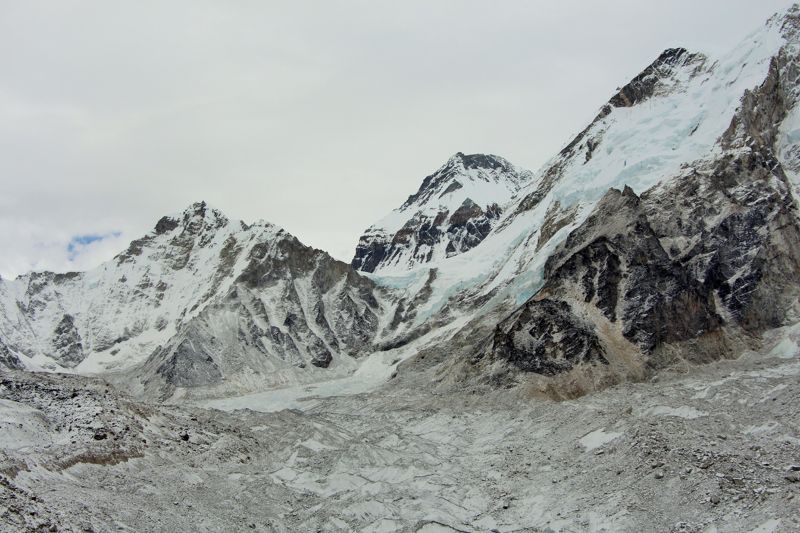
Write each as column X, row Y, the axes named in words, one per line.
column 664, row 122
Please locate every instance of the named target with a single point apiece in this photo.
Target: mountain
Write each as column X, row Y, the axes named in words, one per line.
column 696, row 257
column 201, row 300
column 454, row 209
column 659, row 233
column 664, row 118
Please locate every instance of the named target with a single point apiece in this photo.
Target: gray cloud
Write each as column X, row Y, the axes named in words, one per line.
column 319, row 117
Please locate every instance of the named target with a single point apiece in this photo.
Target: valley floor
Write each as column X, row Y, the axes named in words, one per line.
column 713, row 450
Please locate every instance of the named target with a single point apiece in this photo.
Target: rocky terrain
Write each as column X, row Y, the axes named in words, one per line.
column 697, row 449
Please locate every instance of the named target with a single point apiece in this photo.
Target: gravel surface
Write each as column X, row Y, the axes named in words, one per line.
column 714, row 449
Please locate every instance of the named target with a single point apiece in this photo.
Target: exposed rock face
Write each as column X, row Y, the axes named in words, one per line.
column 189, row 366
column 656, row 77
column 453, row 211
column 67, row 345
column 8, row 359
column 546, row 337
column 621, row 268
column 555, row 218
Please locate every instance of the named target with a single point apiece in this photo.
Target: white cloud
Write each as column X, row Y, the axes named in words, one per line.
column 30, row 246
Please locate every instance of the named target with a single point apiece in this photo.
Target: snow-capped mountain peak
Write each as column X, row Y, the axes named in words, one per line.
column 297, row 305
column 460, row 172
column 453, row 210
column 195, row 218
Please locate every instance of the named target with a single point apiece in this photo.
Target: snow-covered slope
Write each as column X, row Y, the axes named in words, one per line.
column 115, row 315
column 251, row 288
column 452, row 212
column 717, row 137
column 699, row 254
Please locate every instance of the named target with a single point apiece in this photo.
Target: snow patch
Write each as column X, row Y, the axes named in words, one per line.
column 598, row 438
column 785, row 349
column 681, row 412
column 767, row 527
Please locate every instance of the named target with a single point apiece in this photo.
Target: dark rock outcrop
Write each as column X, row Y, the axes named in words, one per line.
column 8, row 359
column 546, row 337
column 190, row 366
column 67, row 343
column 645, row 85
column 614, row 262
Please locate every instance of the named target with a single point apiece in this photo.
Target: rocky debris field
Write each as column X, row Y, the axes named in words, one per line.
column 711, row 450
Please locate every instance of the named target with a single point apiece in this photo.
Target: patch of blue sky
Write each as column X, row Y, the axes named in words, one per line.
column 78, row 243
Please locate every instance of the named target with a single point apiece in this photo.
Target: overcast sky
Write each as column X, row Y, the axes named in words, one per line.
column 318, row 116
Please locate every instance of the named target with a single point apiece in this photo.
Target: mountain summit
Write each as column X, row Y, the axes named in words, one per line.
column 452, row 212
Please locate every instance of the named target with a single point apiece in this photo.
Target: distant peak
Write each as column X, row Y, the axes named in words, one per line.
column 781, row 17
column 671, row 56
column 788, row 22
column 196, row 216
column 485, row 161
column 200, row 209
column 453, row 175
column 647, row 82
column 204, row 210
